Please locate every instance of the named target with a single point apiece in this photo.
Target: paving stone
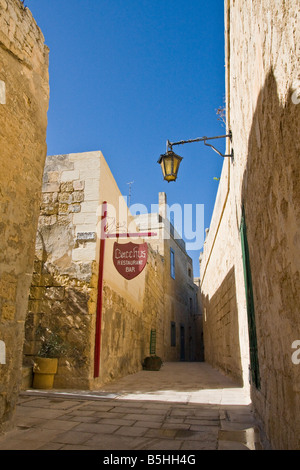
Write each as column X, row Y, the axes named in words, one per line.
column 131, row 431
column 202, row 422
column 46, row 413
column 58, row 424
column 50, row 446
column 76, row 447
column 84, row 421
column 200, row 445
column 127, row 410
column 100, row 415
column 148, row 424
column 116, row 421
column 79, row 413
column 161, row 433
column 73, row 437
column 52, row 404
column 148, row 417
column 96, row 428
column 230, row 445
column 96, row 407
column 116, row 442
column 20, row 445
column 197, row 436
column 29, row 421
column 168, row 425
column 165, row 444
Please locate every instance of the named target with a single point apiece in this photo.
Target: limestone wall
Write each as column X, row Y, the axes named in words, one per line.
column 24, row 95
column 131, row 308
column 65, row 294
column 125, row 337
column 180, row 305
column 177, row 288
column 262, row 79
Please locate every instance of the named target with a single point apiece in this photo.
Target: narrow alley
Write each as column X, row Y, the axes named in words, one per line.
column 182, row 407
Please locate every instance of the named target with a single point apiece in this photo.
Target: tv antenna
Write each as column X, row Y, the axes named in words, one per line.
column 129, row 196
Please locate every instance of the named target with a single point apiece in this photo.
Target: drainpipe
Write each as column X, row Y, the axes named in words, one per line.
column 227, row 64
column 100, row 292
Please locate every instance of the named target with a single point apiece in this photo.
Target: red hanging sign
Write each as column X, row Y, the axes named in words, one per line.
column 130, row 258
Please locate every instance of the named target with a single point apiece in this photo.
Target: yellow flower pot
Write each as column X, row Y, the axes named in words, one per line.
column 44, row 371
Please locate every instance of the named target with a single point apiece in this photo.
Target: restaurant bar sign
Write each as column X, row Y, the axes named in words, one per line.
column 130, row 258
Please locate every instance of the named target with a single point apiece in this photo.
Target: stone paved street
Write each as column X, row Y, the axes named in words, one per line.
column 184, row 406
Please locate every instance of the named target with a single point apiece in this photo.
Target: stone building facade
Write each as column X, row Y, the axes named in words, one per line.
column 78, row 297
column 181, row 319
column 24, row 96
column 250, row 263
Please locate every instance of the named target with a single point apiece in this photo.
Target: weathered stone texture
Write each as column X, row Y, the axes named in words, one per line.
column 222, row 329
column 126, row 330
column 65, row 297
column 262, row 67
column 179, row 294
column 23, row 123
column 63, row 293
column 270, row 192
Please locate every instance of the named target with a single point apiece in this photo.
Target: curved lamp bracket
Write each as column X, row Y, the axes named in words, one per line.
column 170, row 161
column 217, row 151
column 203, row 139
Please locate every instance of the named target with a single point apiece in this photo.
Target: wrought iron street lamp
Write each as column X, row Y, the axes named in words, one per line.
column 170, row 162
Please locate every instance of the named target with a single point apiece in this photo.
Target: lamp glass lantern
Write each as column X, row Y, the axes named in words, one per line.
column 170, row 163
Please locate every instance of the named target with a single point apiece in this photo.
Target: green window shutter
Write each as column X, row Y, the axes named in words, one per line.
column 254, row 365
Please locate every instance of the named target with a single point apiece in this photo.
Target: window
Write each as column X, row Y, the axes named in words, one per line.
column 172, row 263
column 191, row 306
column 173, row 333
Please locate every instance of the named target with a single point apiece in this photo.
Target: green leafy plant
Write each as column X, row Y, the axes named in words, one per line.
column 221, row 113
column 52, row 345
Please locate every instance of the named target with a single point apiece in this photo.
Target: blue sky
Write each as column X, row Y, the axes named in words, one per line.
column 125, row 76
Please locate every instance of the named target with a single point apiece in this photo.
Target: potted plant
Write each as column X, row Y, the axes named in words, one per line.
column 152, row 362
column 46, row 361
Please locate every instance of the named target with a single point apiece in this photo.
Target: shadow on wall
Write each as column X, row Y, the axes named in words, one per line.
column 270, row 196
column 221, row 329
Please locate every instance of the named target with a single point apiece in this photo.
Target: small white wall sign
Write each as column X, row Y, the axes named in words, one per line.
column 86, row 236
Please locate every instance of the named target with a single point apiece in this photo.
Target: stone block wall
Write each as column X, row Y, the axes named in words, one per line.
column 127, row 328
column 226, row 343
column 264, row 117
column 179, row 292
column 263, row 111
column 63, row 294
column 180, row 303
column 24, row 96
column 222, row 343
